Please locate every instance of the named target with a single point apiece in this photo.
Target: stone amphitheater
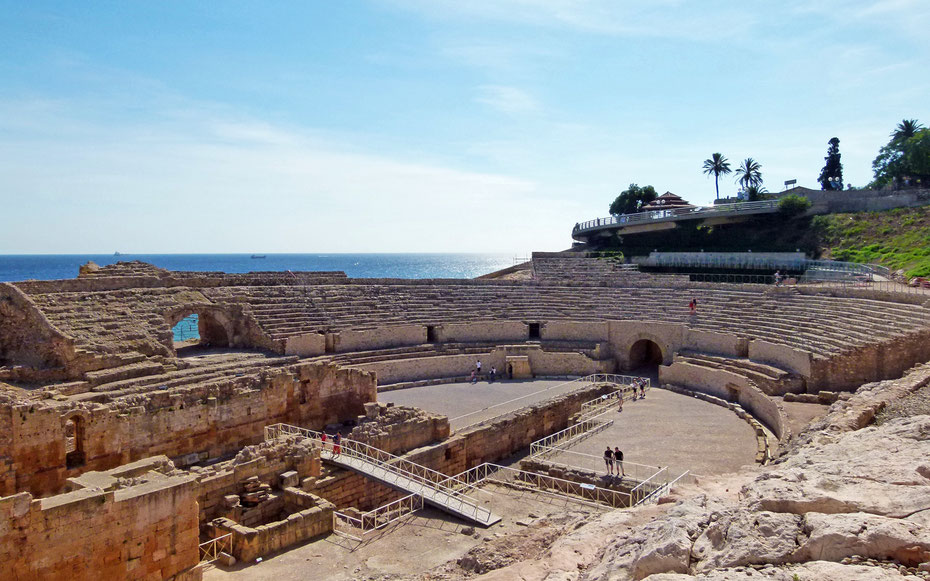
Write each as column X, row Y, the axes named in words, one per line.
column 108, row 425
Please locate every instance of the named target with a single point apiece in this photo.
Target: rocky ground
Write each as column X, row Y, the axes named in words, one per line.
column 849, row 499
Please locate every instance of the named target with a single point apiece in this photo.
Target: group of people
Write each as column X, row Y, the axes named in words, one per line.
column 476, row 373
column 614, row 461
column 639, row 387
column 337, row 443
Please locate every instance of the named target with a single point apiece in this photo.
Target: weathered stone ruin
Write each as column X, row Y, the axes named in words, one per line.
column 106, row 424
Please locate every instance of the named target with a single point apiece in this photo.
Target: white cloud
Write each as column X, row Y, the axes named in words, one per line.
column 225, row 185
column 507, row 99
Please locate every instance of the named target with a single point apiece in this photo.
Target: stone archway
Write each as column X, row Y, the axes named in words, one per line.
column 214, row 328
column 75, row 436
column 645, row 352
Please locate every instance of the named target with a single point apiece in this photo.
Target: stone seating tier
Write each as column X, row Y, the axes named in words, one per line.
column 131, row 320
column 220, row 368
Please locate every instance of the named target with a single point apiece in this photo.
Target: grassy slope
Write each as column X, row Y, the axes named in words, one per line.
column 898, row 239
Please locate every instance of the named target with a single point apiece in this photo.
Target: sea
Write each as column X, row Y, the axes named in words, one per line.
column 413, row 265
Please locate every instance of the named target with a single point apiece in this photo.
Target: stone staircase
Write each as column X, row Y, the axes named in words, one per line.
column 770, row 379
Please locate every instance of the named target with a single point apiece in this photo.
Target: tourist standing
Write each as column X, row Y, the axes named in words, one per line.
column 609, row 461
column 620, row 400
column 478, row 367
column 693, row 306
column 618, row 458
column 777, row 278
column 337, row 444
column 322, row 440
column 642, row 389
column 493, row 374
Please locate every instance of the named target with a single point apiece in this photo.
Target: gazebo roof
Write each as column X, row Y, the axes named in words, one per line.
column 666, row 201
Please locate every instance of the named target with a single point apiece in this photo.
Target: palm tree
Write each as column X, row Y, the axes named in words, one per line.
column 905, row 130
column 749, row 173
column 717, row 164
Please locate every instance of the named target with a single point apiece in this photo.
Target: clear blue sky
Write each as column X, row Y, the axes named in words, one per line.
column 422, row 125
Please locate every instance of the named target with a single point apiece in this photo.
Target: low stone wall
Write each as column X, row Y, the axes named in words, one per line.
column 543, row 363
column 716, row 343
column 380, row 338
column 249, row 543
column 147, row 531
column 728, row 386
column 781, row 356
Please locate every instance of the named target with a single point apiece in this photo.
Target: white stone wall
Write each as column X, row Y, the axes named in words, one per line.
column 380, row 338
column 781, row 356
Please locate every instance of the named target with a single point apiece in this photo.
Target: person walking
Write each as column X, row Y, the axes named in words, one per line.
column 620, row 400
column 609, row 461
column 337, row 444
column 493, row 374
column 693, row 306
column 618, row 459
column 777, row 278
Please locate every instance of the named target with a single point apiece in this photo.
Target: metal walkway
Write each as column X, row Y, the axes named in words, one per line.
column 444, row 492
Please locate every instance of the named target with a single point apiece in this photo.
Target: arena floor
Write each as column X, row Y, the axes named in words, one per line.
column 665, row 429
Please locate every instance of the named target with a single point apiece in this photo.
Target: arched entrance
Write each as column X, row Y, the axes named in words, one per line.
column 198, row 327
column 645, row 353
column 74, row 442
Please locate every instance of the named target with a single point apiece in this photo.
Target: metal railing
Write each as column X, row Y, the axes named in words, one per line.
column 210, row 550
column 867, row 284
column 632, row 471
column 675, row 213
column 376, row 519
column 570, row 435
column 392, row 469
column 600, row 405
column 588, row 494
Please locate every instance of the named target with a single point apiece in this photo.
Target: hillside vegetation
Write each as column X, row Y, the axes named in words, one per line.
column 898, row 239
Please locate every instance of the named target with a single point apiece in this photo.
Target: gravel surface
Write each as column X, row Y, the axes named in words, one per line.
column 916, row 404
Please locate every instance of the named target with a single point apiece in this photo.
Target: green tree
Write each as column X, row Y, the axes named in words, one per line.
column 632, row 199
column 902, row 157
column 717, row 165
column 792, row 205
column 756, row 193
column 906, row 129
column 831, row 176
column 749, row 173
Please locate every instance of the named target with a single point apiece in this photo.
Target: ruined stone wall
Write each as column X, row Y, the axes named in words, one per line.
column 148, row 531
column 189, row 426
column 889, row 360
column 249, row 543
column 27, row 338
column 348, row 489
column 500, row 437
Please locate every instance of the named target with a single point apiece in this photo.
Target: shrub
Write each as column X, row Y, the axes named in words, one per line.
column 792, row 205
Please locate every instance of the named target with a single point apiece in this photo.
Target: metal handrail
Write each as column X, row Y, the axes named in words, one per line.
column 382, row 516
column 570, row 435
column 575, row 491
column 391, row 467
column 671, row 213
column 210, row 550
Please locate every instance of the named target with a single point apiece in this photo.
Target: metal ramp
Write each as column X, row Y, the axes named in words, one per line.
column 447, row 493
column 443, row 497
